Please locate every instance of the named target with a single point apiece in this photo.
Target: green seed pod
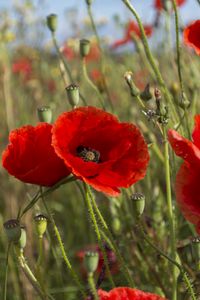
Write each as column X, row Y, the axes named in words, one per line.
column 128, row 76
column 41, row 224
column 52, row 22
column 88, row 2
column 91, row 260
column 13, row 230
column 20, row 245
column 146, row 95
column 138, row 201
column 84, row 47
column 44, row 114
column 73, row 94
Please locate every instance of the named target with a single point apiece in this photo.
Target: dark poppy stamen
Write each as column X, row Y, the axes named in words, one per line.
column 88, row 154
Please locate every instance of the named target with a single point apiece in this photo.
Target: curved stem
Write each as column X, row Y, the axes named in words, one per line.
column 63, row 252
column 151, row 58
column 112, row 241
column 170, row 213
column 98, row 234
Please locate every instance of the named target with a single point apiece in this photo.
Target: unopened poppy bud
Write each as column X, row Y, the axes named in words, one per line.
column 44, row 114
column 91, row 260
column 138, row 201
column 89, row 2
column 41, row 224
column 128, row 76
column 52, row 22
column 84, row 47
column 21, row 244
column 146, row 95
column 13, row 230
column 73, row 94
column 116, row 225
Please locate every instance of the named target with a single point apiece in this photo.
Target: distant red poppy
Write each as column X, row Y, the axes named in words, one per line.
column 133, row 28
column 187, row 179
column 122, row 293
column 68, row 52
column 110, row 254
column 94, row 54
column 99, row 149
column 22, row 66
column 31, row 158
column 159, row 5
column 191, row 36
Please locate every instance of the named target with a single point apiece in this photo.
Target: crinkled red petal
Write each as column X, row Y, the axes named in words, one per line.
column 125, row 293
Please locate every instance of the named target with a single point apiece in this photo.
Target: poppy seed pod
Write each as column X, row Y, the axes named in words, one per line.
column 84, row 47
column 88, row 2
column 128, row 76
column 116, row 225
column 73, row 94
column 91, row 260
column 41, row 224
column 138, row 201
column 44, row 114
column 52, row 22
column 146, row 95
column 13, row 230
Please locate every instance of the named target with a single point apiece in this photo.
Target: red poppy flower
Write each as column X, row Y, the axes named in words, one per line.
column 68, row 52
column 159, row 5
column 94, row 54
column 110, row 254
column 132, row 28
column 122, row 293
column 31, row 158
column 191, row 36
column 187, row 179
column 99, row 149
column 22, row 67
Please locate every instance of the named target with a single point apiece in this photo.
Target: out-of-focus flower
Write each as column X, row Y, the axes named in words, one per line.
column 191, row 36
column 23, row 67
column 110, row 254
column 132, row 29
column 122, row 293
column 31, row 158
column 187, row 179
column 94, row 54
column 98, row 79
column 158, row 4
column 68, row 52
column 99, row 149
column 51, row 85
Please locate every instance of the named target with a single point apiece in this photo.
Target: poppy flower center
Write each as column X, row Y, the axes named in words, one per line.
column 88, row 154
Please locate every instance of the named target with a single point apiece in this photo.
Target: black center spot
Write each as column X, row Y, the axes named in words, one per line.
column 88, row 154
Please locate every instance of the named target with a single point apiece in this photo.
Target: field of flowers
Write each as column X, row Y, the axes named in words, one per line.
column 100, row 145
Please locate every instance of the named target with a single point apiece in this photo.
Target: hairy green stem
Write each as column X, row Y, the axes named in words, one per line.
column 92, row 286
column 98, row 234
column 6, row 273
column 170, row 213
column 112, row 241
column 63, row 252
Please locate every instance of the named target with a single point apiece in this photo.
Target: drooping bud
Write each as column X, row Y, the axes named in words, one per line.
column 146, row 95
column 128, row 76
column 91, row 260
column 138, row 201
column 52, row 22
column 41, row 224
column 84, row 47
column 88, row 2
column 44, row 114
column 20, row 245
column 13, row 230
column 73, row 94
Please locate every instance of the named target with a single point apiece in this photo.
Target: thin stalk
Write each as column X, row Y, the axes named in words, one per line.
column 63, row 252
column 102, row 54
column 65, row 66
column 91, row 84
column 98, row 234
column 92, row 286
column 6, row 273
column 170, row 213
column 112, row 241
column 151, row 58
column 174, row 262
column 30, row 276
